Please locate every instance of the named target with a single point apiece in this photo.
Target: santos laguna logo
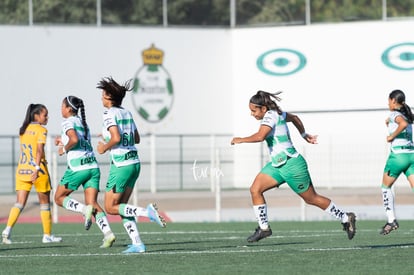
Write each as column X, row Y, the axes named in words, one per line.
column 280, row 62
column 399, row 57
column 153, row 90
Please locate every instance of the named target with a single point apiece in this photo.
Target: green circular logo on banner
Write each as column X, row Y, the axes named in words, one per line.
column 280, row 62
column 399, row 57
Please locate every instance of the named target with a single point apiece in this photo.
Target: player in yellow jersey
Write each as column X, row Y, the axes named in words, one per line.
column 32, row 171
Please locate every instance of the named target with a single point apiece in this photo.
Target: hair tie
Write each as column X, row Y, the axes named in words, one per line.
column 71, row 105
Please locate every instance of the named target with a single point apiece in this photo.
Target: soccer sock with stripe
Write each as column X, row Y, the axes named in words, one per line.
column 102, row 222
column 132, row 229
column 46, row 218
column 128, row 210
column 14, row 214
column 73, row 205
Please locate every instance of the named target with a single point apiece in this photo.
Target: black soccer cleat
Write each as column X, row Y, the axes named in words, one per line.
column 349, row 226
column 388, row 227
column 259, row 234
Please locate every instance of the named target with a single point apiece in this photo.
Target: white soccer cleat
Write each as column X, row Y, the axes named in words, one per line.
column 51, row 239
column 6, row 238
column 108, row 241
column 87, row 213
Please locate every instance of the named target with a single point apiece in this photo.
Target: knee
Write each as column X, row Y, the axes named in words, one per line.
column 59, row 199
column 255, row 190
column 19, row 206
column 111, row 210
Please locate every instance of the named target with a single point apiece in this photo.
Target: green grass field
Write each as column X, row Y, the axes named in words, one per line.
column 214, row 248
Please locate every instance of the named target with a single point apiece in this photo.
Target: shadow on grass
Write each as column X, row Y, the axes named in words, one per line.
column 13, row 248
column 381, row 246
column 192, row 245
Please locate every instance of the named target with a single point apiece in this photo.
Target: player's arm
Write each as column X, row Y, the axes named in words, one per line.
column 402, row 124
column 137, row 137
column 73, row 140
column 115, row 139
column 259, row 136
column 40, row 152
column 301, row 128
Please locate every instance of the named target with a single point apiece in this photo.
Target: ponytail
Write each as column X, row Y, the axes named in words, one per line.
column 268, row 100
column 32, row 110
column 75, row 103
column 405, row 110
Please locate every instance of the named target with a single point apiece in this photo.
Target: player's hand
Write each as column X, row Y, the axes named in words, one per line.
column 100, row 148
column 58, row 141
column 235, row 140
column 313, row 139
column 34, row 176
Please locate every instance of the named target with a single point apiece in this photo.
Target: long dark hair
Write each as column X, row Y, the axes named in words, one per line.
column 262, row 98
column 399, row 97
column 32, row 110
column 76, row 104
column 115, row 91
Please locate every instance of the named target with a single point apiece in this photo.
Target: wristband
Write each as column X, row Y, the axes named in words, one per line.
column 37, row 167
column 64, row 150
column 304, row 134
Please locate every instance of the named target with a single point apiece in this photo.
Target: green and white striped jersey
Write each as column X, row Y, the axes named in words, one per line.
column 125, row 152
column 81, row 156
column 278, row 140
column 403, row 143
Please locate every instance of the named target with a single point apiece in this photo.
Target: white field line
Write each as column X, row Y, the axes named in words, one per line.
column 243, row 249
column 238, row 249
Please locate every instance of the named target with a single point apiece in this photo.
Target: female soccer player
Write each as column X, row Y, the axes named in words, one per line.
column 83, row 169
column 32, row 170
column 286, row 164
column 120, row 136
column 401, row 157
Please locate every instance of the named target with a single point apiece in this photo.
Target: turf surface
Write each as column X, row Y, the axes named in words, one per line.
column 214, row 248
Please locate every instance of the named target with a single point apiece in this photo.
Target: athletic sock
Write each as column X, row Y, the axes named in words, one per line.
column 73, row 205
column 102, row 222
column 132, row 229
column 336, row 212
column 260, row 212
column 388, row 202
column 14, row 214
column 46, row 218
column 128, row 210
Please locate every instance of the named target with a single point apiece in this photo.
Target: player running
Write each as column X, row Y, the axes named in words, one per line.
column 120, row 136
column 83, row 169
column 401, row 157
column 286, row 164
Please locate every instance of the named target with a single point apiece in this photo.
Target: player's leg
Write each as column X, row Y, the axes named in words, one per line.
column 91, row 189
column 392, row 170
column 299, row 180
column 71, row 181
column 15, row 211
column 388, row 203
column 263, row 182
column 348, row 219
column 127, row 176
column 46, row 218
column 112, row 206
